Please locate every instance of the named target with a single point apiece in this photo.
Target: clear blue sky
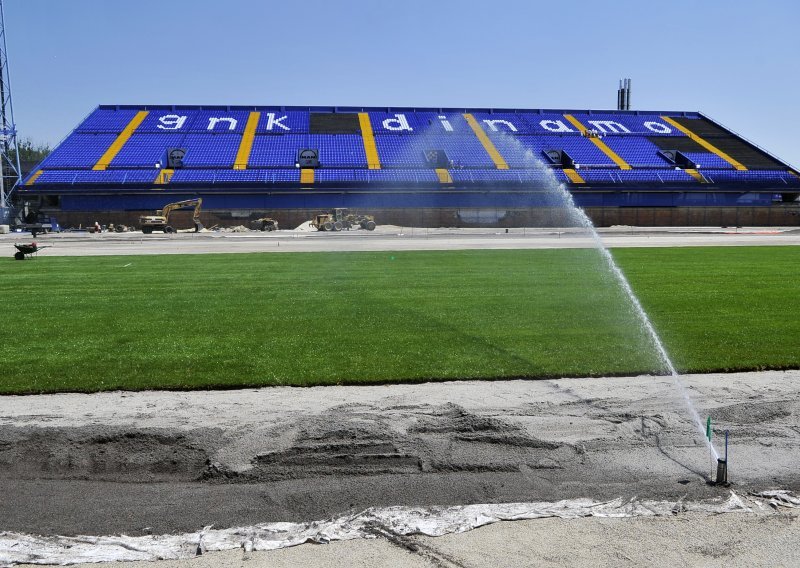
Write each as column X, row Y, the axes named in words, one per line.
column 736, row 61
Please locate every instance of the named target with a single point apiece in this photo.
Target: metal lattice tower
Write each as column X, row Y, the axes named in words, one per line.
column 9, row 151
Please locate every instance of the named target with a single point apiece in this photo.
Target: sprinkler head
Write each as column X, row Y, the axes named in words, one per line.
column 722, row 472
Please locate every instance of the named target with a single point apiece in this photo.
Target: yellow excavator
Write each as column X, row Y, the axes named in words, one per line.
column 160, row 221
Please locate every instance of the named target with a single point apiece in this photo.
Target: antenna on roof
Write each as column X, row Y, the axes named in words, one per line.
column 624, row 95
column 10, row 170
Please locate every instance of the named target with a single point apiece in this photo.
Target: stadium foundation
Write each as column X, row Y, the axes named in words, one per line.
column 779, row 215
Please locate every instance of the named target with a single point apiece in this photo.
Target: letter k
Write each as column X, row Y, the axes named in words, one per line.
column 272, row 121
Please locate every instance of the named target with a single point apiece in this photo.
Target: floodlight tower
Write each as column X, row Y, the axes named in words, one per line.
column 10, row 169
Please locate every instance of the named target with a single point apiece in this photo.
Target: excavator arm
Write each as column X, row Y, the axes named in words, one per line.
column 197, row 203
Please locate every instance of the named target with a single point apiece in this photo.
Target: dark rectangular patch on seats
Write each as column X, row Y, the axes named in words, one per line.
column 334, row 123
column 679, row 143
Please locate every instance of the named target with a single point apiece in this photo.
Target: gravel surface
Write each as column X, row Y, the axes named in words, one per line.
column 394, row 238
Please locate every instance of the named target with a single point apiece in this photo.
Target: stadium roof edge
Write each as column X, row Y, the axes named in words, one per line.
column 350, row 109
column 748, row 141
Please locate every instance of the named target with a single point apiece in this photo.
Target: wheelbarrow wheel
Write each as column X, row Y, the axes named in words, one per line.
column 19, row 255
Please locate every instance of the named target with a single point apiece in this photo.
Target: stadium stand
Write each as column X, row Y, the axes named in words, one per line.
column 238, row 156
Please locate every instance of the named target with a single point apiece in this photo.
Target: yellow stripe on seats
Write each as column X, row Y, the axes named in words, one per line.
column 307, row 175
column 117, row 144
column 164, row 176
column 498, row 160
column 370, row 149
column 246, row 145
column 696, row 175
column 33, row 177
column 705, row 144
column 574, row 176
column 794, row 173
column 444, row 175
column 623, row 165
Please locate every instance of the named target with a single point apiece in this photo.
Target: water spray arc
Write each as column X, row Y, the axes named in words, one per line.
column 647, row 325
column 580, row 218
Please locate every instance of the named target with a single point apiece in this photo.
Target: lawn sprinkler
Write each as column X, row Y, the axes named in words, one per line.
column 722, row 466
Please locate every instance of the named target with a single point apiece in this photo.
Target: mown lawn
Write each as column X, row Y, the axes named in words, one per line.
column 721, row 308
column 228, row 320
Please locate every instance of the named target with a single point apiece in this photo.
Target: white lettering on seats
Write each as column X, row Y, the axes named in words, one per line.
column 446, row 123
column 555, row 126
column 171, row 121
column 492, row 124
column 272, row 121
column 400, row 121
column 612, row 125
column 658, row 127
column 212, row 122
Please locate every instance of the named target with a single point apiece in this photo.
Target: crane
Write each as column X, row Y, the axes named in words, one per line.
column 10, row 167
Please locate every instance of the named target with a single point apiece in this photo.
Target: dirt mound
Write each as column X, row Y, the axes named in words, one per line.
column 86, row 453
column 753, row 412
column 353, row 440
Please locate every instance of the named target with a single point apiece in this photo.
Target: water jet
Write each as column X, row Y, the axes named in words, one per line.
column 565, row 199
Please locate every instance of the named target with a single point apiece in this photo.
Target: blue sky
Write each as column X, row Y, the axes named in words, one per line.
column 735, row 61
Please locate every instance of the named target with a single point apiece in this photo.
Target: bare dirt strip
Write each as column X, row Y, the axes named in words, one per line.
column 163, row 462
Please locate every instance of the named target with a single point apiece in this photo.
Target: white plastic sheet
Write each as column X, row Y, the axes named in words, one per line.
column 779, row 498
column 16, row 548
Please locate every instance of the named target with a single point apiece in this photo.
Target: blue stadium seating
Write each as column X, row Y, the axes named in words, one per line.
column 637, row 176
column 409, row 150
column 580, row 149
column 104, row 177
column 107, row 120
column 395, row 176
column 275, row 151
column 214, row 136
column 222, row 176
column 79, row 150
column 708, row 160
column 636, row 151
column 751, row 177
column 210, row 150
column 507, row 176
column 419, row 122
column 144, row 150
column 640, row 124
column 336, row 150
column 295, row 121
column 218, row 121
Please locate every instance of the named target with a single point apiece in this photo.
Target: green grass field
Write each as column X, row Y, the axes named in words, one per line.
column 97, row 323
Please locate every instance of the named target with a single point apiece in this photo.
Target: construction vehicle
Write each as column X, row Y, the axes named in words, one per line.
column 42, row 224
column 264, row 224
column 341, row 220
column 160, row 221
column 33, row 220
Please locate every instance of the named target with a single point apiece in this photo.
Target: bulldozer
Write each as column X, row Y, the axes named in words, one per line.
column 160, row 221
column 267, row 224
column 342, row 219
